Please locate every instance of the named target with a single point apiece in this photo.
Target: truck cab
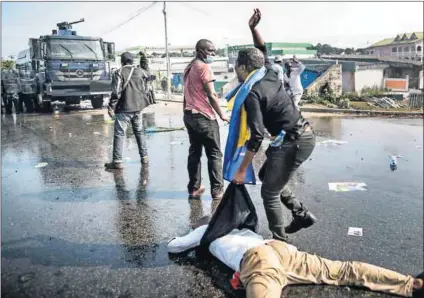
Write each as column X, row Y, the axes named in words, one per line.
column 70, row 68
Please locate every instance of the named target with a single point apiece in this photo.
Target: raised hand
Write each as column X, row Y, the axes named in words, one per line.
column 255, row 18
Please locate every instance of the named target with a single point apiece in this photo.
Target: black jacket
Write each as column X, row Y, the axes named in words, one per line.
column 134, row 98
column 269, row 106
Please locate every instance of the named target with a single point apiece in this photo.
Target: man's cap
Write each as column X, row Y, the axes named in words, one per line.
column 278, row 59
column 127, row 57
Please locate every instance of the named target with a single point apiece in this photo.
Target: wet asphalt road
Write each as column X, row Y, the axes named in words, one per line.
column 72, row 229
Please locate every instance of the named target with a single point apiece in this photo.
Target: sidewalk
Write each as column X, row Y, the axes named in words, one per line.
column 313, row 109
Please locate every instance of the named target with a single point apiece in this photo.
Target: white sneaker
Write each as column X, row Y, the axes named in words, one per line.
column 189, row 241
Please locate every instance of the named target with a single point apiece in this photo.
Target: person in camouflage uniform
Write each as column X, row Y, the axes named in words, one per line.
column 11, row 87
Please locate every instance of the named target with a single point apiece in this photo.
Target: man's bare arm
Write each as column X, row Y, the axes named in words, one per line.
column 214, row 100
column 257, row 38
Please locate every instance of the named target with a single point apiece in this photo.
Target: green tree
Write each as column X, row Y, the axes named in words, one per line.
column 349, row 51
column 7, row 64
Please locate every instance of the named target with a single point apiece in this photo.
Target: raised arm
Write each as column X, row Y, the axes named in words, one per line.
column 257, row 38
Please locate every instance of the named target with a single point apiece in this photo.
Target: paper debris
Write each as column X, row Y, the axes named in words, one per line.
column 331, row 142
column 176, row 143
column 41, row 165
column 354, row 231
column 346, row 186
column 96, row 133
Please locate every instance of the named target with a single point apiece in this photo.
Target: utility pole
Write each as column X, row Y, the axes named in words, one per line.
column 168, row 66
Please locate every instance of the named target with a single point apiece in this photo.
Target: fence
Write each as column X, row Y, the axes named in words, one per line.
column 416, row 100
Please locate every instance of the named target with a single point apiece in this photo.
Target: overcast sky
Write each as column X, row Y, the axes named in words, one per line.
column 353, row 24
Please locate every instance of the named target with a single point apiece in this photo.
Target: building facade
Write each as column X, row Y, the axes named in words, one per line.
column 284, row 49
column 407, row 46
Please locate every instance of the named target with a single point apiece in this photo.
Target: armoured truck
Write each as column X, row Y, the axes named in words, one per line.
column 69, row 68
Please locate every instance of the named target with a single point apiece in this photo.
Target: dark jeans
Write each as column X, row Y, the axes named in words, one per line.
column 277, row 170
column 204, row 132
column 121, row 124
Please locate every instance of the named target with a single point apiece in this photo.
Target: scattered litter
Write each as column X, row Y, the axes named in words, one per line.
column 51, row 128
column 162, row 129
column 393, row 161
column 355, row 232
column 109, row 121
column 96, row 133
column 176, row 143
column 41, row 164
column 331, row 142
column 347, row 186
column 26, row 277
column 70, row 134
column 384, row 102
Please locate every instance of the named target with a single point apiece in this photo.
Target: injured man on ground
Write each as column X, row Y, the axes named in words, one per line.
column 264, row 267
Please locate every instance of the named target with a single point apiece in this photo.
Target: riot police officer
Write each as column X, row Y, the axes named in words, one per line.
column 11, row 85
column 28, row 88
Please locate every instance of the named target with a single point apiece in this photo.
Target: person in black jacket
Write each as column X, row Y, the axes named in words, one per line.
column 269, row 106
column 129, row 98
column 144, row 64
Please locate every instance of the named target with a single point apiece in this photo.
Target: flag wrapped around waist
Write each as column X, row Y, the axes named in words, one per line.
column 239, row 133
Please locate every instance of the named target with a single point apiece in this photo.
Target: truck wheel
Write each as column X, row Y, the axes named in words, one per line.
column 97, row 102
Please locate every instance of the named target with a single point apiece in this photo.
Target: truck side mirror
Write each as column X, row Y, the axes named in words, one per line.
column 110, row 50
column 35, row 48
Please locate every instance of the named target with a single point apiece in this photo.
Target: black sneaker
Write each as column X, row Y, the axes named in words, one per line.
column 299, row 223
column 419, row 293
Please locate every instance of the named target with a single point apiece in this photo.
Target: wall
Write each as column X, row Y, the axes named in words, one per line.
column 348, row 81
column 368, row 78
column 388, row 50
column 332, row 76
column 397, row 85
column 401, row 72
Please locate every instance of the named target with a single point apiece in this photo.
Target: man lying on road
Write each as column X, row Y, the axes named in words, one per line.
column 267, row 266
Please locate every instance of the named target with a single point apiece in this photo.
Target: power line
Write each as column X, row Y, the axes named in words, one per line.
column 139, row 12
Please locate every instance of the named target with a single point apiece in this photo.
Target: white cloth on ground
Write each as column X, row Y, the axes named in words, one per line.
column 229, row 249
column 189, row 241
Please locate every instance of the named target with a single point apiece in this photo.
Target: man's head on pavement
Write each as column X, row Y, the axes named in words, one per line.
column 127, row 58
column 248, row 60
column 278, row 60
column 205, row 50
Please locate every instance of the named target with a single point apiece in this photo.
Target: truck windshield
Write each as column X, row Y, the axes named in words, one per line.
column 74, row 49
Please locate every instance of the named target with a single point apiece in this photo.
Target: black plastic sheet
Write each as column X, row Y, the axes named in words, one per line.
column 235, row 211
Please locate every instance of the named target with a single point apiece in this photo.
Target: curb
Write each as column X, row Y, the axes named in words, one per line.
column 338, row 111
column 370, row 112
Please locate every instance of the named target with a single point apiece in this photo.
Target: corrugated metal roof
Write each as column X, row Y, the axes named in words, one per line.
column 388, row 41
column 274, row 45
column 291, row 45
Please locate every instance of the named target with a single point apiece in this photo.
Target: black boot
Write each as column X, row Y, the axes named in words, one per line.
column 299, row 223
